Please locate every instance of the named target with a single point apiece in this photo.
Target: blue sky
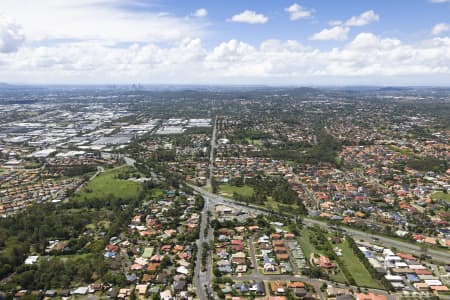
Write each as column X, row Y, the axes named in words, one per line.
column 408, row 19
column 384, row 42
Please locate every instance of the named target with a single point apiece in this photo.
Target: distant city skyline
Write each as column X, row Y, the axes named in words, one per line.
column 299, row 42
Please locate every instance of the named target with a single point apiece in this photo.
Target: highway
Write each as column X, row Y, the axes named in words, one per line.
column 436, row 255
column 205, row 278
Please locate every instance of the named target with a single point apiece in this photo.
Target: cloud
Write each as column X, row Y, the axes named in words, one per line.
column 363, row 19
column 11, row 35
column 340, row 30
column 337, row 33
column 298, row 12
column 250, row 17
column 201, row 12
column 335, row 23
column 114, row 21
column 366, row 59
column 440, row 28
column 439, row 1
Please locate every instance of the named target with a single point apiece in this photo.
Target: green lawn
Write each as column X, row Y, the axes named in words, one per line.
column 271, row 204
column 104, row 224
column 407, row 152
column 228, row 190
column 32, row 165
column 107, row 184
column 158, row 193
column 275, row 206
column 76, row 256
column 305, row 244
column 253, row 142
column 441, row 195
column 356, row 268
column 338, row 276
column 308, row 248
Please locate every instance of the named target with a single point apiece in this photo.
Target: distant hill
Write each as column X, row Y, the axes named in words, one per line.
column 394, row 89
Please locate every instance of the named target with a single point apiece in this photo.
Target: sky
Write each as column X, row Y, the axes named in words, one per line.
column 219, row 42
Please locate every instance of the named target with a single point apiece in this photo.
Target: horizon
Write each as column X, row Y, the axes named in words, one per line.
column 200, row 85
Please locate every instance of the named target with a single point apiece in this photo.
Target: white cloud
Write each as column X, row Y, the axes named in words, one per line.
column 279, row 46
column 250, row 17
column 363, row 19
column 337, row 33
column 298, row 12
column 340, row 30
column 201, row 12
column 106, row 20
column 440, row 28
column 335, row 23
column 366, row 59
column 11, row 35
column 439, row 1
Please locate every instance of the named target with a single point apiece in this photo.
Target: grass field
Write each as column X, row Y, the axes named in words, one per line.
column 309, row 248
column 32, row 165
column 104, row 224
column 107, row 184
column 158, row 193
column 228, row 190
column 441, row 195
column 338, row 276
column 253, row 142
column 275, row 206
column 407, row 152
column 305, row 244
column 356, row 268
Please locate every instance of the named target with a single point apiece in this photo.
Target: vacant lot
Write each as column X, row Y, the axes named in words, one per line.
column 228, row 190
column 441, row 195
column 308, row 248
column 305, row 244
column 290, row 209
column 108, row 184
column 356, row 268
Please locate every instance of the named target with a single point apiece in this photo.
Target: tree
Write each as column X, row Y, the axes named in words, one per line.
column 214, row 185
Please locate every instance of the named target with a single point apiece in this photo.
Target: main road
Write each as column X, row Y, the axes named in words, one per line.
column 100, row 169
column 212, row 152
column 437, row 255
column 203, row 279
